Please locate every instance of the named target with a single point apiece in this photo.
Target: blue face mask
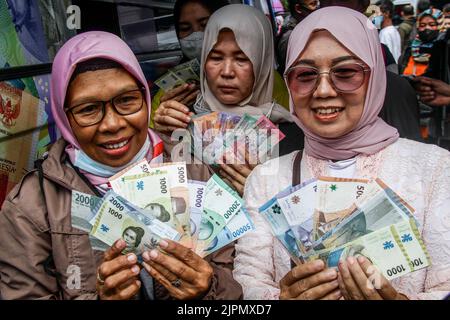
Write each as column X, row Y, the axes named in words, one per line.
column 377, row 21
column 84, row 162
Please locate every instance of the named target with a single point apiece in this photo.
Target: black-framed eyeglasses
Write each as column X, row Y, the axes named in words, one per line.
column 90, row 113
column 344, row 78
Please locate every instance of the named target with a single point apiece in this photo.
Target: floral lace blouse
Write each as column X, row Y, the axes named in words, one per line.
column 418, row 172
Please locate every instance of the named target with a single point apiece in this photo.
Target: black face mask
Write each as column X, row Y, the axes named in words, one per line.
column 428, row 35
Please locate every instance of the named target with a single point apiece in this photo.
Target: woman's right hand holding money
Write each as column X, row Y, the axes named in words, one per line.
column 171, row 115
column 117, row 276
column 310, row 281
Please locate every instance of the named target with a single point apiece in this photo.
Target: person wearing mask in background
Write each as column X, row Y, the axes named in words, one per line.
column 418, row 55
column 388, row 33
column 298, row 10
column 406, row 27
column 190, row 19
column 439, row 64
column 401, row 108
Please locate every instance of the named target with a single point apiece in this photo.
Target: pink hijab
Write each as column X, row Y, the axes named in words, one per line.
column 355, row 32
column 83, row 47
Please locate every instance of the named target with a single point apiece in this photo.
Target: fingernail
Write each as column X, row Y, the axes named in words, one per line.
column 146, row 256
column 135, row 269
column 351, row 260
column 147, row 266
column 153, row 254
column 318, row 264
column 132, row 258
column 163, row 244
column 138, row 283
column 331, row 274
column 188, row 119
column 361, row 259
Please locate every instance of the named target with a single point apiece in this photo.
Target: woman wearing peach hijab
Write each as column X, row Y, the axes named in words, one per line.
column 335, row 75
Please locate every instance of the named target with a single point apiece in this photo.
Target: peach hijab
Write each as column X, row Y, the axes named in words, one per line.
column 356, row 33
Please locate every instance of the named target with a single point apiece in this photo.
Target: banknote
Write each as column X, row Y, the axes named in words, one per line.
column 82, row 209
column 193, row 64
column 373, row 214
column 242, row 130
column 214, row 152
column 336, row 194
column 168, row 81
column 187, row 72
column 238, row 226
column 220, row 205
column 395, row 198
column 220, row 137
column 197, row 191
column 409, row 236
column 268, row 134
column 247, row 122
column 202, row 130
column 179, row 195
column 151, row 192
column 298, row 204
column 273, row 214
column 187, row 75
column 335, row 201
column 113, row 221
column 116, row 181
column 325, row 222
column 227, row 121
column 395, row 250
column 156, row 226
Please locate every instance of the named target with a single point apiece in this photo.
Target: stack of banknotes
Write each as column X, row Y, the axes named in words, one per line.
column 187, row 72
column 149, row 202
column 219, row 134
column 334, row 218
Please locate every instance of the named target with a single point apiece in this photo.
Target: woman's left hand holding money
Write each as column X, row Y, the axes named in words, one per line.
column 181, row 271
column 360, row 280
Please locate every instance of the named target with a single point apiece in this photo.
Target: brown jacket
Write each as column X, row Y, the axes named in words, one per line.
column 42, row 256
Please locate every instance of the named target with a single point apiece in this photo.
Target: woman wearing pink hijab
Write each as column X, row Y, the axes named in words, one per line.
column 337, row 85
column 101, row 104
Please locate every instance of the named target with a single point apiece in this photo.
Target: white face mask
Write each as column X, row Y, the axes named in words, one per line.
column 191, row 46
column 377, row 21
